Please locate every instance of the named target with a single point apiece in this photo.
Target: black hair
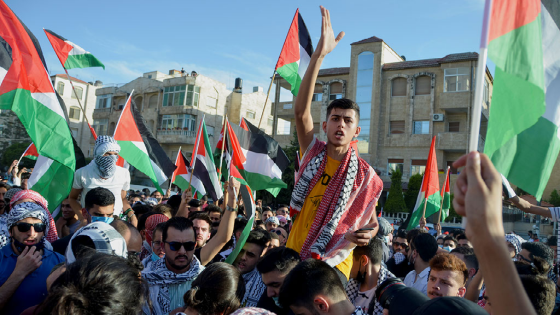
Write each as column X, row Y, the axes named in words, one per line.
column 258, row 237
column 140, row 209
column 142, row 220
column 4, row 185
column 450, row 238
column 462, row 236
column 373, row 250
column 239, row 224
column 174, row 202
column 178, row 223
column 218, row 289
column 541, row 292
column 456, row 232
column 426, row 246
column 131, row 196
column 343, row 103
column 282, row 259
column 159, row 227
column 214, row 208
column 541, row 250
column 410, row 235
column 552, row 240
column 99, row 196
column 201, row 216
column 105, row 283
column 539, row 266
column 470, row 258
column 318, row 277
column 401, row 233
column 194, row 203
column 264, row 209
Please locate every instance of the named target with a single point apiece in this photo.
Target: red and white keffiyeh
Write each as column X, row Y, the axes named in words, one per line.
column 52, row 234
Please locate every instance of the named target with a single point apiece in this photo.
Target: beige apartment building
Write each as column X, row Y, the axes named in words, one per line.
column 403, row 104
column 173, row 105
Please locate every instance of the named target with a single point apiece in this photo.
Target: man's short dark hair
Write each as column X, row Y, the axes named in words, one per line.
column 239, row 225
column 373, row 250
column 470, row 258
column 258, row 237
column 132, row 196
column 214, row 208
column 204, row 198
column 318, row 277
column 552, row 240
column 462, row 236
column 413, row 233
column 201, row 216
column 178, row 223
column 282, row 259
column 450, row 238
column 194, row 203
column 540, row 250
column 541, row 292
column 4, row 185
column 174, row 202
column 343, row 103
column 401, row 233
column 99, row 196
column 426, row 246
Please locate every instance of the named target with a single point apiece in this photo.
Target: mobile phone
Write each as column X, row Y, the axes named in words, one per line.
column 364, row 230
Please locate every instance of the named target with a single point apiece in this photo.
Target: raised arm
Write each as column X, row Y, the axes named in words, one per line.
column 302, row 108
column 527, row 207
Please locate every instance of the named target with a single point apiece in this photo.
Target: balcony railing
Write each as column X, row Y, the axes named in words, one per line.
column 171, row 132
column 103, row 110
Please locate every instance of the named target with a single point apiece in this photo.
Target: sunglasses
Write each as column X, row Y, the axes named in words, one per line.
column 25, row 227
column 403, row 245
column 522, row 258
column 175, row 246
column 277, row 232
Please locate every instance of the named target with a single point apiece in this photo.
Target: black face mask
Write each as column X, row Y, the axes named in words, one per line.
column 20, row 246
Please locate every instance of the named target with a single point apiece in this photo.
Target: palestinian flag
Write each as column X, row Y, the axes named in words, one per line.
column 30, row 152
column 296, row 53
column 203, row 163
column 26, row 89
column 256, row 156
column 182, row 176
column 70, row 54
column 446, row 198
column 428, row 195
column 250, row 208
column 140, row 148
column 523, row 138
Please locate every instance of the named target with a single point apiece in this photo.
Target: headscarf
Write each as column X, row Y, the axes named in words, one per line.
column 151, row 224
column 384, row 227
column 516, row 241
column 22, row 211
column 273, row 220
column 106, row 165
column 10, row 193
column 51, row 234
column 252, row 311
column 105, row 238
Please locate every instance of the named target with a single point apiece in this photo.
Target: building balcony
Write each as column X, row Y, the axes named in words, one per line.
column 173, row 136
column 452, row 141
column 101, row 113
column 172, row 110
column 455, row 102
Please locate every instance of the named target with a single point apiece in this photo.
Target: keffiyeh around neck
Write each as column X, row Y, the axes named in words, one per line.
column 254, row 288
column 22, row 211
column 105, row 238
column 106, row 165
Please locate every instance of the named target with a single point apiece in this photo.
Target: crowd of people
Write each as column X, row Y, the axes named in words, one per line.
column 113, row 250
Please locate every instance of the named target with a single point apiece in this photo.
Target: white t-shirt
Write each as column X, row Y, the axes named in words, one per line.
column 86, row 178
column 421, row 284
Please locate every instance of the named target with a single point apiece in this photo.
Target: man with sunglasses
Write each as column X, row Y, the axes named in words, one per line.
column 398, row 264
column 171, row 277
column 26, row 261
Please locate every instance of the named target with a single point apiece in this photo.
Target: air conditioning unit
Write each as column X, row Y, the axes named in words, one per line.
column 437, row 117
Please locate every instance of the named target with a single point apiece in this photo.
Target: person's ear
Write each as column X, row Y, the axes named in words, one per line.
column 472, row 272
column 86, row 214
column 143, row 234
column 325, row 126
column 462, row 291
column 357, row 133
column 364, row 260
column 321, row 304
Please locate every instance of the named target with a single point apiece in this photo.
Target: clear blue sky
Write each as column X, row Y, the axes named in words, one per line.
column 229, row 39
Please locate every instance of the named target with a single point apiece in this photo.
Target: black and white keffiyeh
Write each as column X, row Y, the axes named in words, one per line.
column 22, row 211
column 105, row 238
column 353, row 289
column 160, row 276
column 106, row 165
column 254, row 288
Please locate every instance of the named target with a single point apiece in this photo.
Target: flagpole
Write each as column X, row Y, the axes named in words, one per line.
column 173, row 175
column 267, row 95
column 443, row 195
column 195, row 149
column 76, row 94
column 21, row 157
column 223, row 146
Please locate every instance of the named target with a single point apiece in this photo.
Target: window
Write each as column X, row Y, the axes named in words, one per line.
column 79, row 92
column 74, row 113
column 100, row 126
column 193, row 93
column 394, row 165
column 486, row 95
column 418, row 167
column 250, row 114
column 423, row 85
column 178, row 122
column 421, row 127
column 271, row 121
column 317, row 93
column 174, row 95
column 103, row 101
column 210, row 131
column 336, row 91
column 364, row 89
column 60, row 88
column 456, row 79
column 453, row 126
column 396, row 126
column 398, row 87
column 283, row 127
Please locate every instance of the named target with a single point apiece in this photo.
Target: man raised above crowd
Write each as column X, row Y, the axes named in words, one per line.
column 335, row 191
column 103, row 172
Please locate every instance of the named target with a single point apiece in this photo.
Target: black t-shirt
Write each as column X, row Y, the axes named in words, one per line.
column 400, row 270
column 61, row 244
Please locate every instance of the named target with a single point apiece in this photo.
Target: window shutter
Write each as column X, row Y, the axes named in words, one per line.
column 423, row 85
column 398, row 87
column 397, row 126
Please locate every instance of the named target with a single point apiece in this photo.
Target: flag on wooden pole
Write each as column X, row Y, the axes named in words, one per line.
column 446, row 198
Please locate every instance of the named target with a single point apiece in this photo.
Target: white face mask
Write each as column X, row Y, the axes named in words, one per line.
column 276, row 301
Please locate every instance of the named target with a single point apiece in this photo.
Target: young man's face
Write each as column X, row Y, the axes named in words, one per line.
column 215, row 216
column 202, row 229
column 464, row 243
column 266, row 215
column 271, row 226
column 29, row 237
column 341, row 126
column 178, row 260
column 66, row 209
column 273, row 281
column 445, row 283
column 157, row 246
column 400, row 245
column 248, row 257
column 449, row 243
column 98, row 211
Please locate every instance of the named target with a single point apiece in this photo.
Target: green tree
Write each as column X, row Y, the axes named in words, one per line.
column 14, row 152
column 554, row 198
column 395, row 202
column 411, row 194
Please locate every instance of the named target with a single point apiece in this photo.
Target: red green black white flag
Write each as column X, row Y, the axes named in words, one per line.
column 70, row 54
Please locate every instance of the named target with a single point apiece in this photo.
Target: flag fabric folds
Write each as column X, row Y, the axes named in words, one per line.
column 250, row 208
column 140, row 148
column 202, row 164
column 182, row 175
column 70, row 54
column 257, row 157
column 446, row 198
column 26, row 89
column 296, row 54
column 523, row 138
column 428, row 196
column 30, row 152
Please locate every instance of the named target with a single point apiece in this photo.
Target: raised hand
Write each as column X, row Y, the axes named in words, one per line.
column 327, row 42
